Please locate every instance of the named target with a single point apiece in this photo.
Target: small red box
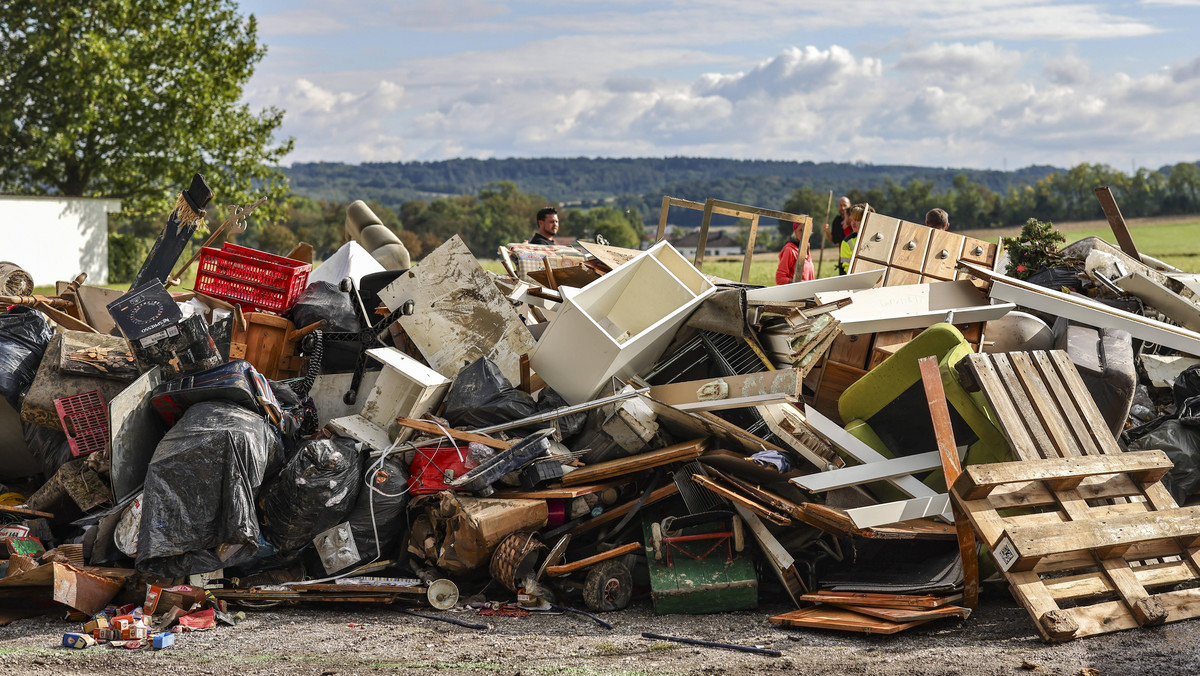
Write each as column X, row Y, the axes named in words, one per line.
column 255, row 280
column 430, row 467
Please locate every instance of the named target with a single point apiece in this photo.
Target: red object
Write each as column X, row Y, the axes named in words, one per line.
column 84, row 417
column 201, row 619
column 354, row 624
column 427, row 474
column 557, row 513
column 253, row 279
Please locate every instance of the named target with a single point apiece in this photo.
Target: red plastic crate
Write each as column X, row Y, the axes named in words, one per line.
column 84, row 418
column 255, row 280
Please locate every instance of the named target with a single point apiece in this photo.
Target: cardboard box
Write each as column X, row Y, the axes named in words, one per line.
column 159, row 600
column 80, row 641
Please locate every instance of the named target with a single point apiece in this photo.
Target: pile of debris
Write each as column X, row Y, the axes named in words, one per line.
column 602, row 424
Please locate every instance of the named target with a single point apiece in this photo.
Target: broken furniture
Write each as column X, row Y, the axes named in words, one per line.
column 1104, row 358
column 405, row 388
column 907, row 254
column 370, row 335
column 621, row 323
column 886, row 408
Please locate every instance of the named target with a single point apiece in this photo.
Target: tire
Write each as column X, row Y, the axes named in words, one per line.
column 609, row 586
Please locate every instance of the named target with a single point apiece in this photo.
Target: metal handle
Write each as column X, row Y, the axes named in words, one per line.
column 911, row 245
column 977, row 251
column 877, row 237
column 943, row 254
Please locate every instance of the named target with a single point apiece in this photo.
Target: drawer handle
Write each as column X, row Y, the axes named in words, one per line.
column 977, row 251
column 943, row 254
column 877, row 237
column 911, row 245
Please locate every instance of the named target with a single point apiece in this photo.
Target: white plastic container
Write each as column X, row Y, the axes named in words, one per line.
column 619, row 324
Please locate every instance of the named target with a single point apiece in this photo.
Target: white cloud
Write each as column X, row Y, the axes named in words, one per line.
column 332, row 124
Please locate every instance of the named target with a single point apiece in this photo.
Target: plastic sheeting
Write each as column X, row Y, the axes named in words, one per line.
column 315, row 491
column 198, row 510
column 481, row 396
column 1177, row 435
column 24, row 335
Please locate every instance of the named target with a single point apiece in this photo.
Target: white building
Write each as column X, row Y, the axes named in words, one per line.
column 56, row 238
column 719, row 243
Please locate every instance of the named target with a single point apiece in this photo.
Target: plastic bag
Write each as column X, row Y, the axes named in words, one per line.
column 1057, row 278
column 315, row 491
column 50, row 447
column 1177, row 435
column 482, row 396
column 322, row 300
column 24, row 335
column 198, row 510
column 387, row 501
column 568, row 425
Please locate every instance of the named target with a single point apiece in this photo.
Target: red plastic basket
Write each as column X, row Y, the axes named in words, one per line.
column 255, row 280
column 84, row 418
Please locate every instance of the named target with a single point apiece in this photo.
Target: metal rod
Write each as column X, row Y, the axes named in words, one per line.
column 451, row 620
column 713, row 644
column 599, row 621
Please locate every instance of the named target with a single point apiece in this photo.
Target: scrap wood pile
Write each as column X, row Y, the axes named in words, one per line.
column 602, row 425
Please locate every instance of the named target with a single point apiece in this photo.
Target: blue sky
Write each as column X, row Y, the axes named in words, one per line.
column 984, row 84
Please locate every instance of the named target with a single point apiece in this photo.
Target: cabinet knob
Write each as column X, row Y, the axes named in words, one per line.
column 977, row 251
column 943, row 254
column 877, row 237
column 911, row 245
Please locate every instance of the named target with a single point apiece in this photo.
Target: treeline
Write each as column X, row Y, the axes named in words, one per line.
column 591, row 181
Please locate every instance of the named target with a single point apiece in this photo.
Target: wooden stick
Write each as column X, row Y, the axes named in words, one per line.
column 821, row 256
column 457, row 435
column 742, row 500
column 935, row 394
column 1117, row 222
column 802, row 251
column 549, row 274
column 618, row 512
column 555, row 571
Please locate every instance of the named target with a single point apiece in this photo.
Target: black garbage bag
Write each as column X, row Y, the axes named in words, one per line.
column 377, row 520
column 315, row 491
column 50, row 447
column 1057, row 278
column 568, row 425
column 481, row 396
column 24, row 335
column 1177, row 435
column 198, row 502
column 322, row 300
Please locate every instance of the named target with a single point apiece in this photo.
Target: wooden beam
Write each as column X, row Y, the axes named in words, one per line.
column 978, row 481
column 739, row 499
column 1116, row 221
column 882, row 600
column 563, row 569
column 802, row 252
column 457, row 435
column 943, row 430
column 748, row 257
column 608, row 469
column 618, row 512
column 662, row 220
column 781, row 385
column 705, row 222
column 1108, row 537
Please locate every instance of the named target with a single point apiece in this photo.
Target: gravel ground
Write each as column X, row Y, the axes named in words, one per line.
column 319, row 639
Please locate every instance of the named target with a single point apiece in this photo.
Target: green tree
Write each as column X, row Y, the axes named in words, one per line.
column 129, row 98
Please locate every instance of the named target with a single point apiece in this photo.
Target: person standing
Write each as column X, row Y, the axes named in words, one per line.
column 789, row 255
column 836, row 231
column 854, row 219
column 547, row 226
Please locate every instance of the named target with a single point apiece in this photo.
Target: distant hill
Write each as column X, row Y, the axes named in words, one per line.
column 626, row 182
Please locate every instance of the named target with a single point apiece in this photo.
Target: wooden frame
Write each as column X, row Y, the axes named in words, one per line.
column 712, row 206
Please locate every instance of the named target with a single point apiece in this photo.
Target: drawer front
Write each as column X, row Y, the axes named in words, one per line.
column 912, row 241
column 877, row 237
column 944, row 250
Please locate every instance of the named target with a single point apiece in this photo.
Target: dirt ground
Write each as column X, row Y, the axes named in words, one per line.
column 325, row 640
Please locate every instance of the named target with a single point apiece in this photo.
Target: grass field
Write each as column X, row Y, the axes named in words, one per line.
column 1175, row 242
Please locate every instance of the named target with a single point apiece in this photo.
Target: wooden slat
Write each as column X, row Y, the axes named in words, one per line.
column 1072, row 587
column 608, row 469
column 1083, row 436
column 1044, row 406
column 1002, row 404
column 458, row 435
column 883, row 600
column 978, row 481
column 1114, row 532
column 563, row 569
column 832, row 617
column 739, row 499
column 758, row 493
column 1116, row 221
column 906, row 615
column 943, row 430
column 618, row 512
column 1093, row 419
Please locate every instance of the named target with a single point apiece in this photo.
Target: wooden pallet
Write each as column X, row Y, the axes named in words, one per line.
column 1075, row 522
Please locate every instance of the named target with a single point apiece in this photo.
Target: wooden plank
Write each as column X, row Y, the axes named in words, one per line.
column 1086, row 443
column 780, row 385
column 943, row 430
column 705, row 222
column 802, row 251
column 1104, row 618
column 618, row 512
column 1028, row 418
column 882, row 600
column 1044, row 405
column 1116, row 221
column 860, row 474
column 908, row 615
column 635, row 463
column 1009, row 418
column 978, row 481
column 1114, row 532
column 834, row 521
column 780, row 504
column 1072, row 587
column 563, row 569
column 662, row 220
column 748, row 257
column 458, row 435
column 1093, row 419
column 558, row 492
column 741, row 500
column 776, row 555
column 832, row 617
